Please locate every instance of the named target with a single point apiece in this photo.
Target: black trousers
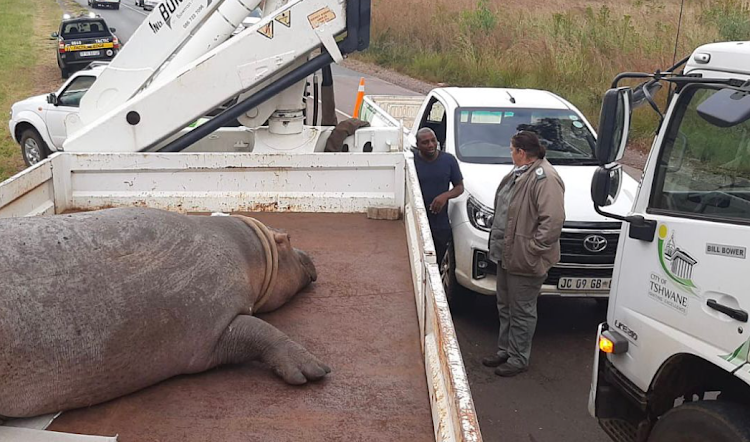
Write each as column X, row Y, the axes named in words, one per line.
column 441, row 238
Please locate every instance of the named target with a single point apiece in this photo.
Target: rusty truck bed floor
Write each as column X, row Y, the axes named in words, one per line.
column 359, row 318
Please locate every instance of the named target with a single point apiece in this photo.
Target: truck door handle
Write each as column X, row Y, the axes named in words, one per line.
column 735, row 313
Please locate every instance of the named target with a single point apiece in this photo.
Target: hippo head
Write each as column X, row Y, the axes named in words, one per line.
column 296, row 271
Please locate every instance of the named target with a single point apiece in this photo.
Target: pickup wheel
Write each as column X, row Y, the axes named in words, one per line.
column 458, row 297
column 33, row 148
column 714, row 421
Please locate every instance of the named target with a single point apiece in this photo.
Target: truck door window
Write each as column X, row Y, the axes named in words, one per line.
column 72, row 94
column 435, row 119
column 703, row 170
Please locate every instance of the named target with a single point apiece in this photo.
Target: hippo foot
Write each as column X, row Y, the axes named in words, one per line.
column 295, row 364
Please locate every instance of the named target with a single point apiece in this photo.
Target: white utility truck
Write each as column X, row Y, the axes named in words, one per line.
column 475, row 125
column 672, row 362
column 377, row 314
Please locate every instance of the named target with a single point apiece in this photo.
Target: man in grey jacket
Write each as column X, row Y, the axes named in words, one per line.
column 525, row 243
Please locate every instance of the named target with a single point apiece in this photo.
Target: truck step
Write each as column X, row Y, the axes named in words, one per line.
column 619, row 430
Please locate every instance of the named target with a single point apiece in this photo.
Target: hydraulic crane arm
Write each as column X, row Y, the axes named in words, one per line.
column 280, row 43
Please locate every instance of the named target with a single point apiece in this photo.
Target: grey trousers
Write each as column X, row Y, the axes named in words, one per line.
column 516, row 308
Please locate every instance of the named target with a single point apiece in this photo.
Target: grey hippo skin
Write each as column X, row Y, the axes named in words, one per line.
column 97, row 305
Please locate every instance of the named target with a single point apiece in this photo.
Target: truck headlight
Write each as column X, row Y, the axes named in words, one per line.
column 480, row 215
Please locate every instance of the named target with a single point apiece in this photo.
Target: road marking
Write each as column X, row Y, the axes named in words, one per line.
column 133, row 9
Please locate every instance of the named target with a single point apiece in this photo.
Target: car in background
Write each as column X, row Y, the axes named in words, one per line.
column 147, row 5
column 106, row 3
column 38, row 123
column 84, row 39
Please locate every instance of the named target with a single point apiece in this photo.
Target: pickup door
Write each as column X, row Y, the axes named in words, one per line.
column 68, row 100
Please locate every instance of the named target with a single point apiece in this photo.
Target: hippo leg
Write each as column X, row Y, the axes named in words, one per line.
column 249, row 338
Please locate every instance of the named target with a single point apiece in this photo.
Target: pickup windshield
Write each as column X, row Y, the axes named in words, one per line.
column 84, row 29
column 483, row 134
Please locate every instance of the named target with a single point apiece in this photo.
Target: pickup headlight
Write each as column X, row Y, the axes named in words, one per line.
column 480, row 215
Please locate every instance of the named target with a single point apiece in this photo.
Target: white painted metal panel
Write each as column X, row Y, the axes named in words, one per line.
column 226, row 182
column 28, row 193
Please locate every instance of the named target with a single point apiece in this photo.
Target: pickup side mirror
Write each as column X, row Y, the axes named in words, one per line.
column 52, row 99
column 606, row 185
column 614, row 124
column 113, row 29
column 54, row 35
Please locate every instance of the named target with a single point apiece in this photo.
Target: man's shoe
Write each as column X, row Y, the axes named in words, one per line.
column 494, row 360
column 508, row 371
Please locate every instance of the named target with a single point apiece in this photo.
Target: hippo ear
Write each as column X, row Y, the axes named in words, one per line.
column 281, row 237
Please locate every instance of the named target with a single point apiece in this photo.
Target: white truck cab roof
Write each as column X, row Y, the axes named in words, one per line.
column 730, row 57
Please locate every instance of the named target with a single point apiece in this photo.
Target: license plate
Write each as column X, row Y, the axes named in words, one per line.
column 587, row 284
column 89, row 53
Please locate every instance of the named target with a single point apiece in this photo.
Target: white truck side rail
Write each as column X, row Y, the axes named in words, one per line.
column 229, row 182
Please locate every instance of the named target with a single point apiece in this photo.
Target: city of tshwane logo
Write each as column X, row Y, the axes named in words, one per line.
column 676, row 263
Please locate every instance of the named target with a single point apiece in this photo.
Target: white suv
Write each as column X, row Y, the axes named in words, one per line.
column 38, row 123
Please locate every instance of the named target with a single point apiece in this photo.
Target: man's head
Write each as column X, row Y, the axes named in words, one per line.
column 525, row 148
column 427, row 143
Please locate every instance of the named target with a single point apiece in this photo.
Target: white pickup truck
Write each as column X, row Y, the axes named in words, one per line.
column 475, row 125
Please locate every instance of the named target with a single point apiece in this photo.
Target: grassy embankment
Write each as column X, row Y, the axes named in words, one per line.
column 27, row 64
column 573, row 48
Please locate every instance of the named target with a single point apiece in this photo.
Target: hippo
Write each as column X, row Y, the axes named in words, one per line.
column 97, row 305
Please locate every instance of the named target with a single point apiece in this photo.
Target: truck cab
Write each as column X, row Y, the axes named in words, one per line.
column 672, row 362
column 476, row 125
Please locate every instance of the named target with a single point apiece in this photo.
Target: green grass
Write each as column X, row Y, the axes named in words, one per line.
column 22, row 49
column 572, row 48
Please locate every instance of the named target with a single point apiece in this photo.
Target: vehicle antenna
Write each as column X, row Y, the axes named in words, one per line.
column 677, row 37
column 512, row 100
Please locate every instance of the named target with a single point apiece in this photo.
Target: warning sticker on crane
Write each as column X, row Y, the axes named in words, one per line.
column 267, row 30
column 285, row 18
column 321, row 17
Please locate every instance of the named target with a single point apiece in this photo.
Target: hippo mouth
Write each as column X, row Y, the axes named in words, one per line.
column 307, row 263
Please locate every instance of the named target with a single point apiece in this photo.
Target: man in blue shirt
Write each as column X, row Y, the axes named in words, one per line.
column 437, row 170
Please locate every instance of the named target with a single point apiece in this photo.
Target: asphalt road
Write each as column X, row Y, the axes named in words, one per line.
column 548, row 403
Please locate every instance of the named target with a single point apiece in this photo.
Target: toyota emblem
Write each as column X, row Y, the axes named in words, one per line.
column 595, row 243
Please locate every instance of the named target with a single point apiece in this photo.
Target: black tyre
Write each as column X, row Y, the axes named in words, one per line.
column 458, row 296
column 33, row 147
column 703, row 421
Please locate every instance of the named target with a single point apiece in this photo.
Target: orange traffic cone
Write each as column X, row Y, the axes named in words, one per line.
column 360, row 96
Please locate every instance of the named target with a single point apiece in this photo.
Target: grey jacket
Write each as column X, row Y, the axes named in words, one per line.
column 536, row 213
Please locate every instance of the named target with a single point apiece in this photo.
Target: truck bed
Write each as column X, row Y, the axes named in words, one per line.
column 359, row 318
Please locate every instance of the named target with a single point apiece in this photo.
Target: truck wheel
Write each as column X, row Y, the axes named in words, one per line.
column 33, row 148
column 714, row 421
column 458, row 296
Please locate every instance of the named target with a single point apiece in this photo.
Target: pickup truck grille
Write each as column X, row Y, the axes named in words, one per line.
column 573, row 244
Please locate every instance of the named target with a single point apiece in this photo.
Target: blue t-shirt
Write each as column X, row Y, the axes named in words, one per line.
column 435, row 178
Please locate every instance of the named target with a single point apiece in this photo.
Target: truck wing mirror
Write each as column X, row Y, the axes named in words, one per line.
column 614, row 124
column 726, row 108
column 606, row 185
column 113, row 30
column 52, row 99
column 53, row 35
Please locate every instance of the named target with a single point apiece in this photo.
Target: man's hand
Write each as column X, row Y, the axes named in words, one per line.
column 439, row 202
